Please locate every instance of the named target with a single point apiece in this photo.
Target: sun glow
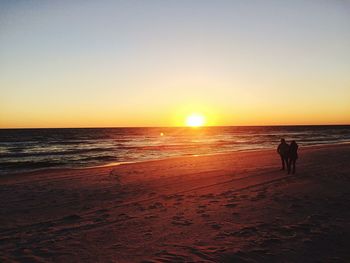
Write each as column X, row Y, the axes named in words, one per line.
column 195, row 120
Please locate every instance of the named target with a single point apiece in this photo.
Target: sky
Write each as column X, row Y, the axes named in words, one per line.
column 154, row 62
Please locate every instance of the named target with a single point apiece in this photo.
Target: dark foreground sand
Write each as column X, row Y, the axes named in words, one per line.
column 235, row 207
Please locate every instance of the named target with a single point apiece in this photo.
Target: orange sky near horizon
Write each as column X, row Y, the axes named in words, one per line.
column 132, row 63
column 213, row 117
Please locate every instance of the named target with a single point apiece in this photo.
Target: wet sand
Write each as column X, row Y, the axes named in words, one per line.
column 235, row 207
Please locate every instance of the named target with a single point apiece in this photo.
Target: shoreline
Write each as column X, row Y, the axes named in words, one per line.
column 314, row 146
column 115, row 164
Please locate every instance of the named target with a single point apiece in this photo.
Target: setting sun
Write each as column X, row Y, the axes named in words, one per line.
column 195, row 120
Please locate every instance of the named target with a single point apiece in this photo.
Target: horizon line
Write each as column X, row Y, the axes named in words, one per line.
column 205, row 126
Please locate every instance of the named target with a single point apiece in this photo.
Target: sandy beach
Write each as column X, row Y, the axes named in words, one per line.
column 234, row 207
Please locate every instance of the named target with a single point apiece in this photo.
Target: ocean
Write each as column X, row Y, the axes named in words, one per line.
column 24, row 150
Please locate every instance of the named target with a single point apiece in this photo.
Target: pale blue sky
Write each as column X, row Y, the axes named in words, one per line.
column 130, row 63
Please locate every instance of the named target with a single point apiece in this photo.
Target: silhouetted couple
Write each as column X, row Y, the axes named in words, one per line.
column 289, row 155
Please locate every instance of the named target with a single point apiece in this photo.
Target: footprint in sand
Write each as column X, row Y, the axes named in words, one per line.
column 205, row 215
column 286, row 231
column 70, row 218
column 216, row 226
column 165, row 256
column 116, row 246
column 180, row 220
column 101, row 211
column 208, row 196
column 156, row 205
column 151, row 216
column 258, row 197
column 99, row 220
column 167, row 197
column 227, row 193
column 231, row 205
column 124, row 216
column 179, row 198
column 233, row 199
column 140, row 207
column 271, row 241
column 202, row 213
column 242, row 197
column 148, row 233
column 246, row 232
column 102, row 214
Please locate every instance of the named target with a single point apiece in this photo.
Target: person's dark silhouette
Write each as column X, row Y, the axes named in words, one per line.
column 292, row 156
column 283, row 150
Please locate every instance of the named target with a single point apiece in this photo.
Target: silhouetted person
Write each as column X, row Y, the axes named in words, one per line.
column 283, row 151
column 292, row 156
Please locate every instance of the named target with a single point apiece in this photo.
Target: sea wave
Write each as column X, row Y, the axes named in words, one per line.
column 31, row 149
